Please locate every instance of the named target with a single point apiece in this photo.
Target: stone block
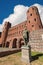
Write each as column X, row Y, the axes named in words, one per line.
column 26, row 54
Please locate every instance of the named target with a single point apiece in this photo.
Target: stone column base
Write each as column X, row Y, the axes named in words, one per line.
column 26, row 54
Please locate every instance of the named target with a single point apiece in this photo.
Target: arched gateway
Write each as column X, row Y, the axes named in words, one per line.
column 21, row 42
column 14, row 45
column 7, row 44
column 17, row 43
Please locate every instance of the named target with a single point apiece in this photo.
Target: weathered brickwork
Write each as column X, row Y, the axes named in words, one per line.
column 6, row 27
column 36, row 40
column 33, row 19
column 12, row 36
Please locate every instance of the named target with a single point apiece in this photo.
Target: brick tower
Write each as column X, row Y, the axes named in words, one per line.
column 6, row 27
column 33, row 19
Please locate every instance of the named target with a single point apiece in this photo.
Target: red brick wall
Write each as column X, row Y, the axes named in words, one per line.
column 6, row 27
column 33, row 19
column 17, row 30
column 33, row 23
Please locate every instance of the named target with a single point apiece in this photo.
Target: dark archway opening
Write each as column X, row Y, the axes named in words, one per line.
column 14, row 43
column 21, row 43
column 7, row 44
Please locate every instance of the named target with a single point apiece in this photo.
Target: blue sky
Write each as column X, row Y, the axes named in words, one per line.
column 7, row 6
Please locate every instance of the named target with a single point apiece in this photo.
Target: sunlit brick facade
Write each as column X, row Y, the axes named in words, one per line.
column 12, row 36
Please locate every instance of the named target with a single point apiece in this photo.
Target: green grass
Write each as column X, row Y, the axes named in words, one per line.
column 14, row 59
column 35, row 53
column 19, row 54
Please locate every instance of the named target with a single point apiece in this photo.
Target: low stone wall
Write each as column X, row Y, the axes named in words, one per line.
column 36, row 40
column 38, row 47
column 8, row 52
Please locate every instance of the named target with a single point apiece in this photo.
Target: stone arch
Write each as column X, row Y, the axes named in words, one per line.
column 7, row 44
column 14, row 43
column 21, row 42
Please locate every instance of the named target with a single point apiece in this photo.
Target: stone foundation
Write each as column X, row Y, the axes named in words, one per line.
column 26, row 54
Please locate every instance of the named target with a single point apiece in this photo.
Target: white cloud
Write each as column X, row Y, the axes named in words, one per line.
column 0, row 27
column 19, row 14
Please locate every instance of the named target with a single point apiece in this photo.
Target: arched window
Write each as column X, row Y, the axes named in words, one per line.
column 34, row 19
column 32, row 25
column 31, row 14
column 29, row 21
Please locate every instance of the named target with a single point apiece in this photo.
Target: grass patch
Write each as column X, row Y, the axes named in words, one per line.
column 14, row 59
column 19, row 54
column 35, row 53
